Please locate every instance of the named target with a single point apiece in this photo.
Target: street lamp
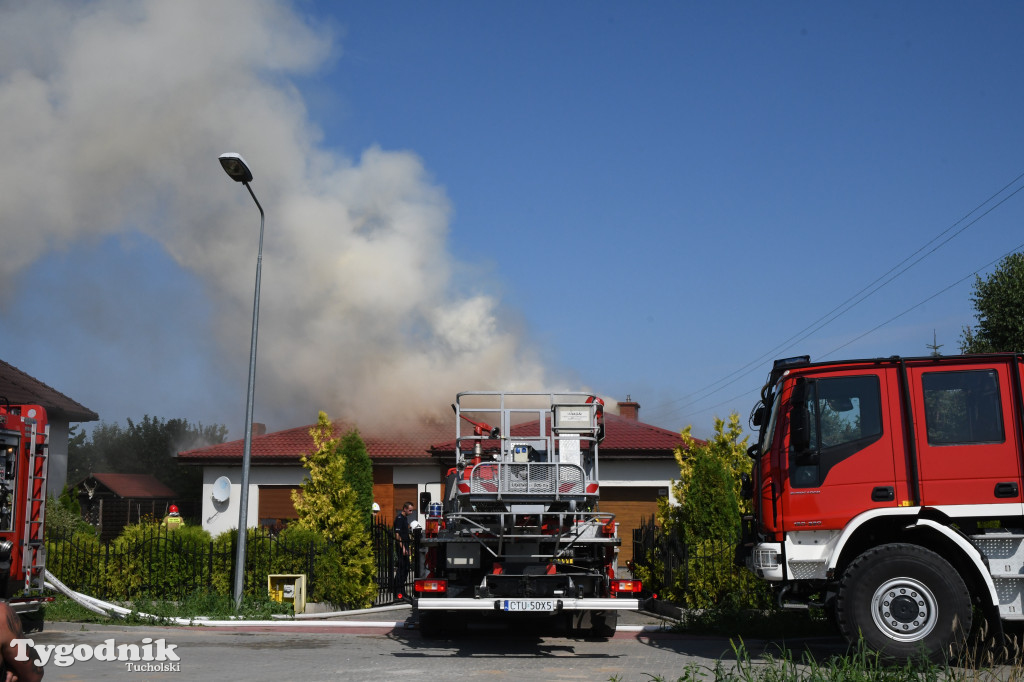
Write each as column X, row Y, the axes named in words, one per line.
column 235, row 166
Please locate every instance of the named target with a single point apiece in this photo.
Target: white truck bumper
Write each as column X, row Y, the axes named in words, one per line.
column 496, row 604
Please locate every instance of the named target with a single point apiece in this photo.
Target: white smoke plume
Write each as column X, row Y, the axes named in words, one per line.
column 113, row 114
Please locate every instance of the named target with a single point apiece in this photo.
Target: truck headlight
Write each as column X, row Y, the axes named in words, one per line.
column 766, row 558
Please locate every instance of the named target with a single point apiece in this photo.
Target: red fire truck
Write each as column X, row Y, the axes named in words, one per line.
column 24, row 443
column 888, row 492
column 519, row 534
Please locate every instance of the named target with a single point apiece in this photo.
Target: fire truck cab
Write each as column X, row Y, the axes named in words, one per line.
column 889, row 491
column 24, row 443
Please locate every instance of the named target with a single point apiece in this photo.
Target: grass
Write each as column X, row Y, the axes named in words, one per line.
column 857, row 665
column 752, row 623
column 212, row 606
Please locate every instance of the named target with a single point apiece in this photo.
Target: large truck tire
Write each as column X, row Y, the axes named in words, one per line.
column 441, row 624
column 603, row 623
column 907, row 602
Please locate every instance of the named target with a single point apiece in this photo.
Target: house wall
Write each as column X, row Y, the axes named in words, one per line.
column 411, row 481
column 640, row 472
column 218, row 517
column 221, row 516
column 393, row 485
column 57, row 464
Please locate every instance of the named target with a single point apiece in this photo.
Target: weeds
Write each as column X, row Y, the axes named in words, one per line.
column 735, row 621
column 860, row 664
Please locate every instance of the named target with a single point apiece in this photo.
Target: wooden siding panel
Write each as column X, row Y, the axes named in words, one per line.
column 630, row 505
column 383, row 493
column 404, row 492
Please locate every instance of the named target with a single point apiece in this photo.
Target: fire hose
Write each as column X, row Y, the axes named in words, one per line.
column 109, row 609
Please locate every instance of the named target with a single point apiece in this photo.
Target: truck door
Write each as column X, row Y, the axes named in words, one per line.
column 966, row 439
column 840, row 450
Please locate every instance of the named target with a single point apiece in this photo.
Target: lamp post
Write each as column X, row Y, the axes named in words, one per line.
column 234, row 165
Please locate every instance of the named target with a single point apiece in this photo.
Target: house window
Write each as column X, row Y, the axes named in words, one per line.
column 276, row 508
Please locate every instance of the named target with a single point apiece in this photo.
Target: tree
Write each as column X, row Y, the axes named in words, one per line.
column 329, row 504
column 358, row 472
column 146, row 447
column 710, row 508
column 999, row 302
column 725, row 446
column 708, row 489
column 706, row 520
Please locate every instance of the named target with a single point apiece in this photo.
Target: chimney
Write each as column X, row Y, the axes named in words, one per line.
column 258, row 429
column 629, row 409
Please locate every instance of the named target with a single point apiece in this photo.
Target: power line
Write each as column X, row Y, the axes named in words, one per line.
column 918, row 305
column 1016, row 249
column 844, row 307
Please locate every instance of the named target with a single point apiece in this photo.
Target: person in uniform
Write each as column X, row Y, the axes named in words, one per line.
column 173, row 520
column 403, row 548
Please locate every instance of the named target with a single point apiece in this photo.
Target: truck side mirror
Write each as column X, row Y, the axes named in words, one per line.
column 799, row 419
column 758, row 417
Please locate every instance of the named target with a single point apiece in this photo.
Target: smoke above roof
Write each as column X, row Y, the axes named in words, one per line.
column 114, row 114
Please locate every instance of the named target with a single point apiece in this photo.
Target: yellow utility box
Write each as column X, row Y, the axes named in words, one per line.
column 288, row 589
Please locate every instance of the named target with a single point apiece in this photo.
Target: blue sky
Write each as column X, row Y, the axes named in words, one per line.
column 642, row 199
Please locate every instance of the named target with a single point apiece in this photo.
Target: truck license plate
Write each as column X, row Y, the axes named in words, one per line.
column 529, row 605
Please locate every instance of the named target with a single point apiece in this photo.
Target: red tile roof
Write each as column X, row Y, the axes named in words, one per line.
column 20, row 388
column 286, row 447
column 134, row 486
column 624, row 439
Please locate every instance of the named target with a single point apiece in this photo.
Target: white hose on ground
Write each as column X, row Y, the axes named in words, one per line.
column 107, row 609
column 335, row 614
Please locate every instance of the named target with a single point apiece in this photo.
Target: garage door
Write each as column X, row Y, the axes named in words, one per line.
column 630, row 505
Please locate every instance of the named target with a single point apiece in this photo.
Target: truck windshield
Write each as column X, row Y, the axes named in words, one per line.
column 769, row 432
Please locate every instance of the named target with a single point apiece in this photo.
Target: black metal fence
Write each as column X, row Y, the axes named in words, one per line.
column 705, row 573
column 161, row 564
column 649, row 541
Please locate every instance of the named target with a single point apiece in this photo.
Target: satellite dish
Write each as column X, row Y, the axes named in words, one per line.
column 221, row 489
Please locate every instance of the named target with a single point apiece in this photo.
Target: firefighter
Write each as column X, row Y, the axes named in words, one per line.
column 403, row 548
column 173, row 520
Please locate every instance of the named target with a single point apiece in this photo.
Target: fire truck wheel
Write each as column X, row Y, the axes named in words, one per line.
column 602, row 624
column 440, row 624
column 906, row 601
column 431, row 624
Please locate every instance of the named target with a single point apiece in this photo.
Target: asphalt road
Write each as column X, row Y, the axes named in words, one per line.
column 385, row 648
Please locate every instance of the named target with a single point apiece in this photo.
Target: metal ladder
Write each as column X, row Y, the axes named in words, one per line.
column 33, row 556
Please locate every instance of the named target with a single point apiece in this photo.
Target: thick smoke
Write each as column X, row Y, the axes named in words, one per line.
column 114, row 113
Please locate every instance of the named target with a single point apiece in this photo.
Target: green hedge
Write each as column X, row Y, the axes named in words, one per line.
column 147, row 561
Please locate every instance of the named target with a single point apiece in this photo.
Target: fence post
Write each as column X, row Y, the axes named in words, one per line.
column 102, row 587
column 310, row 567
